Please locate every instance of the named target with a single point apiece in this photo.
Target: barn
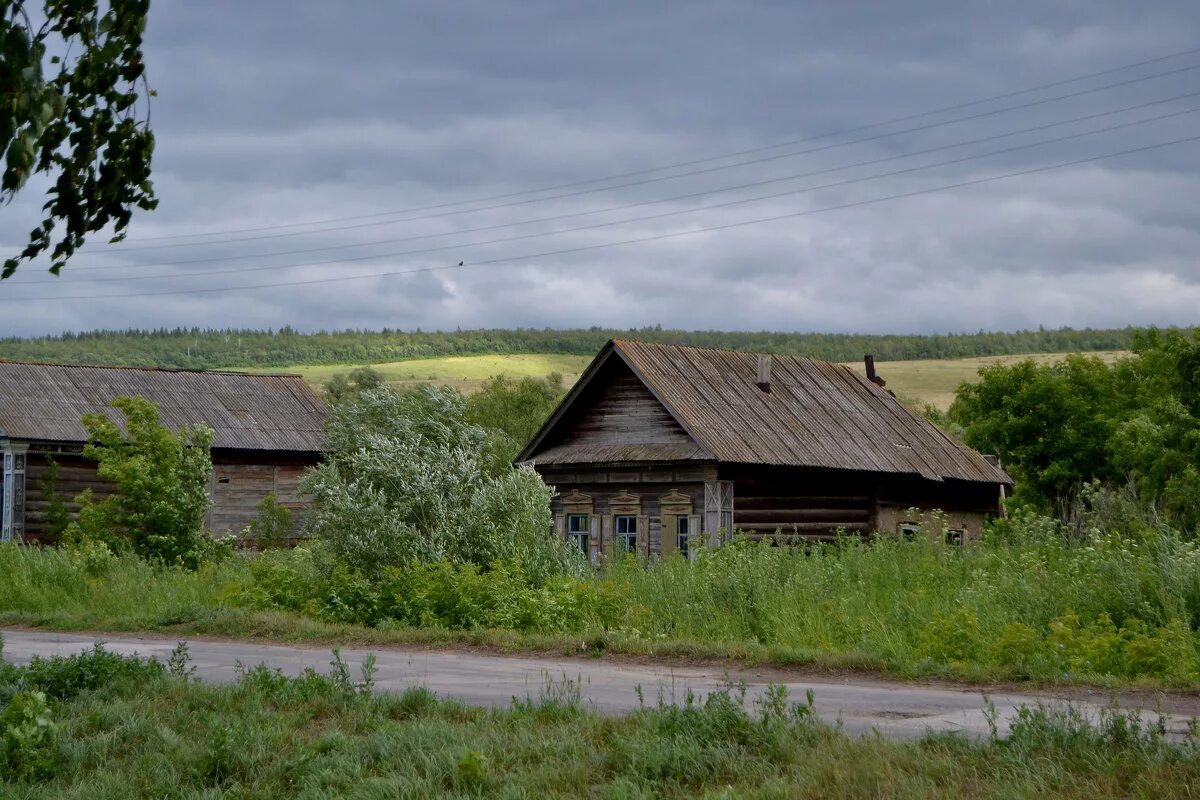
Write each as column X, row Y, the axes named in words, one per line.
column 269, row 428
column 659, row 446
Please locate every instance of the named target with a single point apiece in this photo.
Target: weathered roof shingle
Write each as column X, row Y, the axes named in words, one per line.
column 816, row 414
column 45, row 402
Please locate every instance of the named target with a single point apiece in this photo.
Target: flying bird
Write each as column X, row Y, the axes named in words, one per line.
column 460, row 263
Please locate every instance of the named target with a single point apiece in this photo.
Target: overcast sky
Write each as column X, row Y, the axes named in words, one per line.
column 368, row 126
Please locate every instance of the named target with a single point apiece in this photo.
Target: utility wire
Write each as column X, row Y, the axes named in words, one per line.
column 659, row 179
column 603, row 245
column 695, row 162
column 626, row 206
column 627, row 221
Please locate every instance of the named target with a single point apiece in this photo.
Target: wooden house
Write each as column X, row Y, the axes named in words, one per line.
column 658, row 445
column 268, row 429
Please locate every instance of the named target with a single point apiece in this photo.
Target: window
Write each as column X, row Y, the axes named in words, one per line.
column 626, row 530
column 682, row 535
column 578, row 531
column 909, row 530
column 954, row 536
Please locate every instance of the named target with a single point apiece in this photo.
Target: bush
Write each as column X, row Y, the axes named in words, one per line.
column 55, row 518
column 407, row 479
column 66, row 677
column 161, row 483
column 273, row 525
column 439, row 594
column 514, row 409
column 27, row 738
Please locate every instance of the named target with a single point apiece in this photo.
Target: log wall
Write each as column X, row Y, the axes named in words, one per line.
column 604, row 492
column 239, row 482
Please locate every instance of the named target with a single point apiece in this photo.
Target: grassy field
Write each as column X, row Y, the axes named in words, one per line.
column 100, row 727
column 929, row 381
column 465, row 373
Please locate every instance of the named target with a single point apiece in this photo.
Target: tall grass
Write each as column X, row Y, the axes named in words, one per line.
column 88, row 587
column 1034, row 606
column 916, row 607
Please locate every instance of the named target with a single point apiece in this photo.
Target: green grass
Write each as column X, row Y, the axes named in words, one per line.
column 1116, row 612
column 122, row 730
column 465, row 373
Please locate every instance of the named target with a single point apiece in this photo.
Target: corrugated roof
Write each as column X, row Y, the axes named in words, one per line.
column 816, row 414
column 45, row 402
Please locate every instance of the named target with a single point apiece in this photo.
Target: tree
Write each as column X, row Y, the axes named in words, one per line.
column 161, row 479
column 1058, row 426
column 406, row 479
column 80, row 125
column 345, row 388
column 514, row 409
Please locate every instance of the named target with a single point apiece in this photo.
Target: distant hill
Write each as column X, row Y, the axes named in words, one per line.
column 212, row 349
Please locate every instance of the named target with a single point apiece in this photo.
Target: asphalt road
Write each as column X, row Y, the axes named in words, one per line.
column 860, row 706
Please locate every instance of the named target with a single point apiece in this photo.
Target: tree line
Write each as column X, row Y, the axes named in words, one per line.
column 197, row 348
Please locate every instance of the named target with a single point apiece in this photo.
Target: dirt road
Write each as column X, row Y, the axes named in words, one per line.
column 894, row 709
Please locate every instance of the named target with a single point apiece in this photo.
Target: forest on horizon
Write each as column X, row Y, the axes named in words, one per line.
column 195, row 348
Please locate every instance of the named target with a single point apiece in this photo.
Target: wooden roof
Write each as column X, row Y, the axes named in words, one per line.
column 816, row 414
column 45, row 402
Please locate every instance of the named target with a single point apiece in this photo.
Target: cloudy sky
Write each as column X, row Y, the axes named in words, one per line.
column 727, row 165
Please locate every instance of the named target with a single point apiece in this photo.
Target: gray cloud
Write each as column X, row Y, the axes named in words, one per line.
column 273, row 114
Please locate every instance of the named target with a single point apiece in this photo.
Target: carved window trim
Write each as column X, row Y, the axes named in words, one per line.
column 674, row 506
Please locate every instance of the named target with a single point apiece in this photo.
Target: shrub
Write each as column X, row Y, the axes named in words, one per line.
column 65, row 677
column 272, row 526
column 55, row 518
column 346, row 387
column 27, row 738
column 161, row 483
column 406, row 479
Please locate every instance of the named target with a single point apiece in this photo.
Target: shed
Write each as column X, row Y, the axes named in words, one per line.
column 658, row 445
column 268, row 429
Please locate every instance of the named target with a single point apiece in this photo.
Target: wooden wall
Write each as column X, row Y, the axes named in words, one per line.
column 241, row 479
column 618, row 409
column 806, row 503
column 609, row 489
column 237, row 489
column 75, row 474
column 785, row 505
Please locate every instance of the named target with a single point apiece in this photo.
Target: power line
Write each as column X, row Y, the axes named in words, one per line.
column 646, row 218
column 602, row 245
column 692, row 173
column 676, row 198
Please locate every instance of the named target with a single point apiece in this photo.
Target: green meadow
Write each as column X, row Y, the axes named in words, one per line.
column 931, row 381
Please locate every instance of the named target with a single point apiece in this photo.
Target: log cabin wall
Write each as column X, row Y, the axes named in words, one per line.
column 653, row 493
column 907, row 502
column 240, row 481
column 75, row 475
column 798, row 504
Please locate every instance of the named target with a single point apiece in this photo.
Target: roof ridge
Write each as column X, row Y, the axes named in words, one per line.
column 133, row 367
column 711, row 349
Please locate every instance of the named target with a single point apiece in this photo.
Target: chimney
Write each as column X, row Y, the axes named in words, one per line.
column 869, row 360
column 764, row 372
